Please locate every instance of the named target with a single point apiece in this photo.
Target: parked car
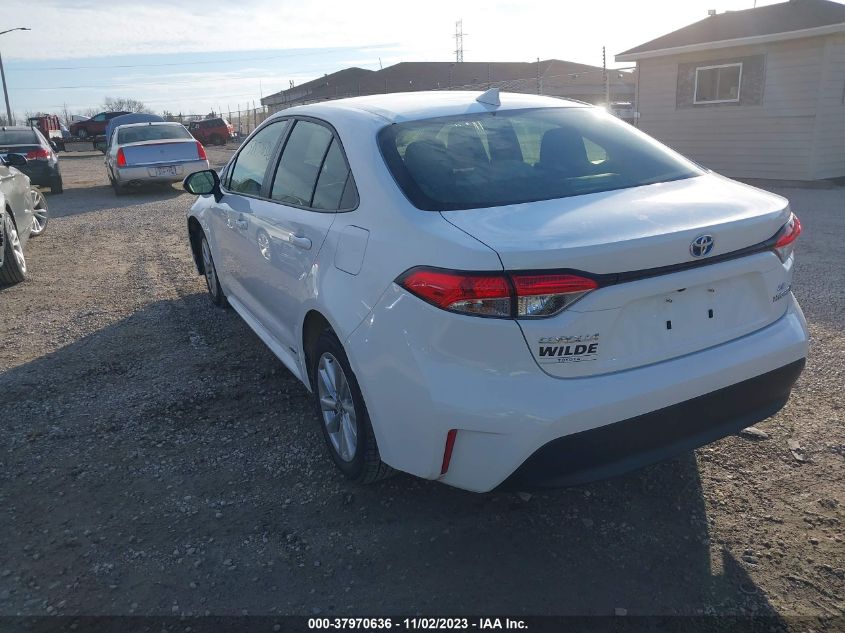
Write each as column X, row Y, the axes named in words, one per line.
column 499, row 290
column 42, row 164
column 95, row 126
column 125, row 119
column 154, row 152
column 217, row 131
column 23, row 214
column 50, row 128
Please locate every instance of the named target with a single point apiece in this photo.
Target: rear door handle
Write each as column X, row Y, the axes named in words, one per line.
column 300, row 241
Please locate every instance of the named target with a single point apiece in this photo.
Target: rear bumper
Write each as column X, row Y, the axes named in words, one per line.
column 148, row 173
column 41, row 173
column 645, row 439
column 424, row 371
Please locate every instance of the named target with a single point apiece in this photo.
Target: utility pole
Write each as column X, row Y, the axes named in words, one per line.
column 539, row 85
column 9, row 119
column 606, row 77
column 459, row 41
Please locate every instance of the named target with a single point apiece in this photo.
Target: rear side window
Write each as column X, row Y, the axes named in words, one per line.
column 300, row 164
column 334, row 180
column 492, row 159
column 253, row 159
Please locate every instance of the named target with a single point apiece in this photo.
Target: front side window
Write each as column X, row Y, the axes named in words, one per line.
column 300, row 164
column 253, row 159
column 490, row 159
column 718, row 84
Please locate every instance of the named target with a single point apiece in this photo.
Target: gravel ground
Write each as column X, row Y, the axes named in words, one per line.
column 157, row 459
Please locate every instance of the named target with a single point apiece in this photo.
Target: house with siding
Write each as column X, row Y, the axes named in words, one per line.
column 758, row 93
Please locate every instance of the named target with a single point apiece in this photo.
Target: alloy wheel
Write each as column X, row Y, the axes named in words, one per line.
column 208, row 269
column 17, row 248
column 337, row 407
column 39, row 213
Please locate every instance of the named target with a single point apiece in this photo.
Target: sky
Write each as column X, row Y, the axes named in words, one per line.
column 195, row 56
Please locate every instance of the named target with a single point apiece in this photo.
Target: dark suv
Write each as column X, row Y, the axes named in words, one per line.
column 95, row 126
column 212, row 131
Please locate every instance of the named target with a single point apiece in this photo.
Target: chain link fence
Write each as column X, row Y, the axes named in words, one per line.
column 243, row 120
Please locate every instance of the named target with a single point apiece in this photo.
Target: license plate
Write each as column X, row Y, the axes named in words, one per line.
column 169, row 170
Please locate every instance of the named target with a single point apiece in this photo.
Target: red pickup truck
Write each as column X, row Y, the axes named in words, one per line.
column 95, row 126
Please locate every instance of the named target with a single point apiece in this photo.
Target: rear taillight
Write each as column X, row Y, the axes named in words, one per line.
column 470, row 293
column 201, row 151
column 786, row 237
column 501, row 295
column 545, row 295
column 38, row 154
column 121, row 158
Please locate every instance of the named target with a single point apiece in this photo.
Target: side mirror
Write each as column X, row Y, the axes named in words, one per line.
column 202, row 183
column 15, row 160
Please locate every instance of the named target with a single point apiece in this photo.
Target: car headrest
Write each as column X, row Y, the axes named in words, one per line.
column 430, row 166
column 563, row 149
column 465, row 146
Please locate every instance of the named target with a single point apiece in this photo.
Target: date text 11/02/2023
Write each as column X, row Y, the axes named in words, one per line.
column 417, row 623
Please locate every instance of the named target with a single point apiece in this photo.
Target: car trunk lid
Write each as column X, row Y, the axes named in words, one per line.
column 655, row 302
column 160, row 152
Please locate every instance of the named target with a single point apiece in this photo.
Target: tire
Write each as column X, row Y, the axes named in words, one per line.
column 57, row 186
column 13, row 269
column 82, row 133
column 215, row 292
column 343, row 415
column 40, row 214
column 118, row 190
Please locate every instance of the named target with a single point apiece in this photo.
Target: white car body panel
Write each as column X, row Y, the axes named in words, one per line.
column 424, row 371
column 444, row 372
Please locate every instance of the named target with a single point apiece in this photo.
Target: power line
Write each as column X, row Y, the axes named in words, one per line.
column 198, row 63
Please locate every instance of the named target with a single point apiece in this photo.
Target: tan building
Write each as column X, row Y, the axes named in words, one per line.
column 758, row 93
column 549, row 77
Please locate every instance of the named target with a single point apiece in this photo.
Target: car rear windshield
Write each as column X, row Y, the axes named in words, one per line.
column 513, row 156
column 151, row 133
column 18, row 137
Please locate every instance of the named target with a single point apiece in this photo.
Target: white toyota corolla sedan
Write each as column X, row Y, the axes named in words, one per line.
column 502, row 290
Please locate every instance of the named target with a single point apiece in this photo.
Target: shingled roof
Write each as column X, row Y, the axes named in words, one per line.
column 554, row 76
column 786, row 17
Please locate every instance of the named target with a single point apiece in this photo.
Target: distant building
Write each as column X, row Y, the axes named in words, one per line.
column 550, row 77
column 758, row 93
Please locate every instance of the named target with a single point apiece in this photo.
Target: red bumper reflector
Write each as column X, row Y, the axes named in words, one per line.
column 447, row 452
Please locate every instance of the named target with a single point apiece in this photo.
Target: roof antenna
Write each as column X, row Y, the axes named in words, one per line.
column 490, row 97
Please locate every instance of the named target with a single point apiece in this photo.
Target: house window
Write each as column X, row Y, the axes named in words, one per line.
column 718, row 84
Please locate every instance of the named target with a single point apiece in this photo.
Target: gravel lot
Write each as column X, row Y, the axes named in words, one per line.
column 157, row 459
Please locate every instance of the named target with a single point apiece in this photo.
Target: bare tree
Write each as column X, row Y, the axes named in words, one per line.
column 116, row 104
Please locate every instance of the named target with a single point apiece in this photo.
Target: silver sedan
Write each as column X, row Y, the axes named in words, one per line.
column 23, row 214
column 154, row 152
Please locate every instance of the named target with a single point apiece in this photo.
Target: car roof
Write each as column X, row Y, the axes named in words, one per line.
column 146, row 123
column 409, row 106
